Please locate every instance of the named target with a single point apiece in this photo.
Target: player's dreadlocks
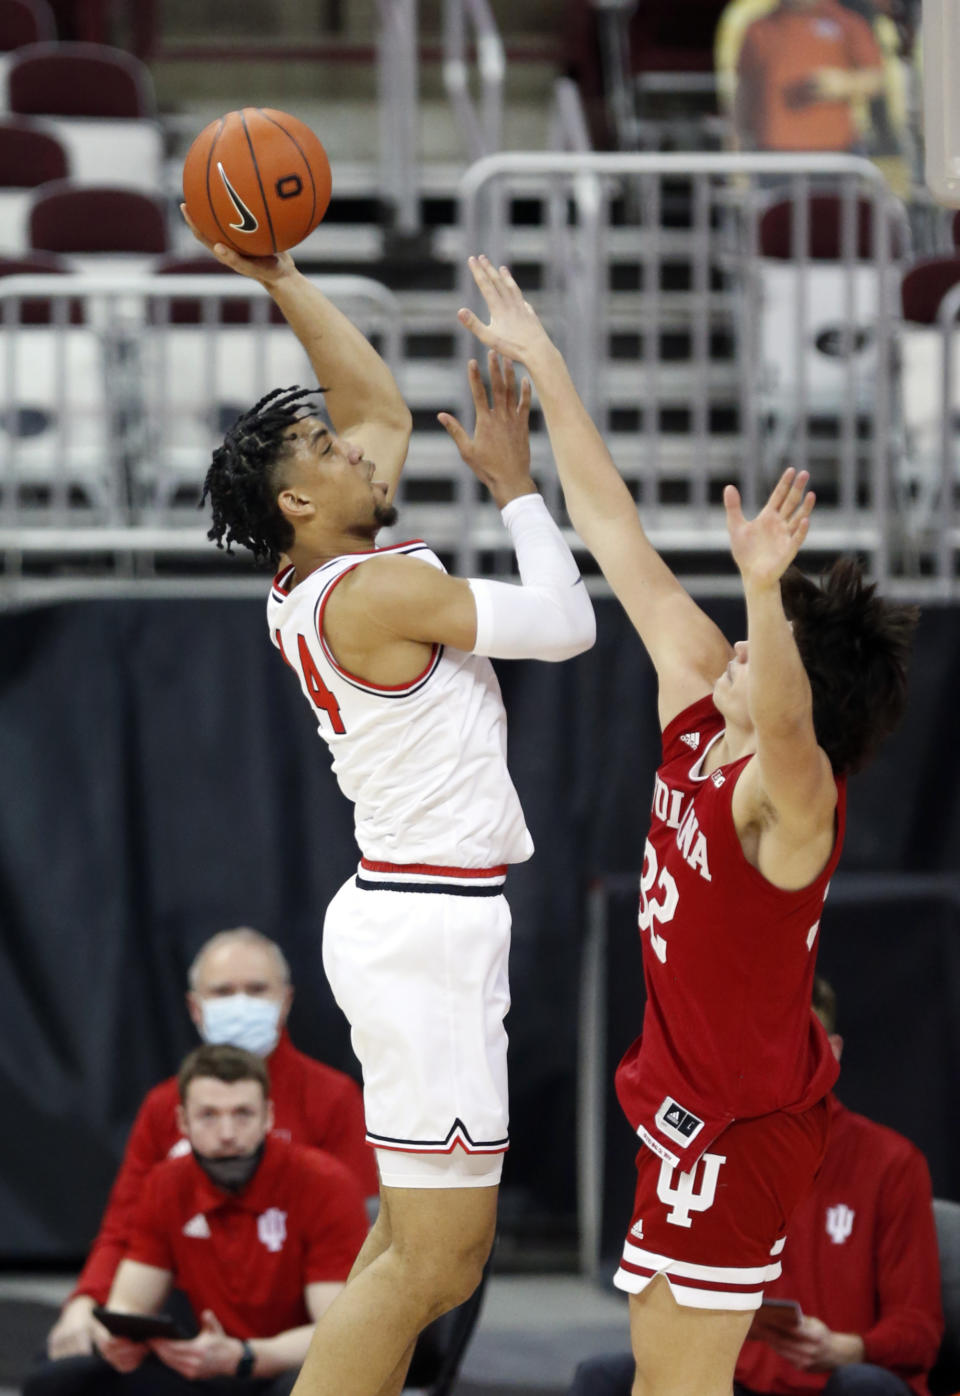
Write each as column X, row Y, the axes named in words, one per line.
column 246, row 474
column 855, row 647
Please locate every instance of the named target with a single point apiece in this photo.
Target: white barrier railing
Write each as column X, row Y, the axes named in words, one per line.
column 812, row 338
column 482, row 131
column 114, row 390
column 399, row 106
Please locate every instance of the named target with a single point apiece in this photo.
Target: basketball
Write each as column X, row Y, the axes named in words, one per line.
column 258, row 180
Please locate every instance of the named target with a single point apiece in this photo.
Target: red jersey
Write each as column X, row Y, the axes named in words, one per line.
column 728, row 958
column 861, row 1255
column 313, row 1104
column 248, row 1256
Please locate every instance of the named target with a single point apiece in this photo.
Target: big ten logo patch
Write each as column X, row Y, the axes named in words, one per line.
column 840, row 1223
column 693, row 1191
column 272, row 1228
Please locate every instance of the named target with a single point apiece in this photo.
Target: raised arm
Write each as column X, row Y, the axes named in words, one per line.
column 688, row 651
column 383, row 614
column 788, row 791
column 361, row 396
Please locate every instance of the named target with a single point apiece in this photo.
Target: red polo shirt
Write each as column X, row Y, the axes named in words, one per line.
column 248, row 1256
column 313, row 1104
column 861, row 1255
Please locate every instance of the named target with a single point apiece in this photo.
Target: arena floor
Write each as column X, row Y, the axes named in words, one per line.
column 533, row 1330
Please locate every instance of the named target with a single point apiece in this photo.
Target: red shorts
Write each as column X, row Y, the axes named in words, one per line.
column 717, row 1231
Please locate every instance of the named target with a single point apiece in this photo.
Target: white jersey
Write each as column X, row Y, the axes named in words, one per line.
column 424, row 763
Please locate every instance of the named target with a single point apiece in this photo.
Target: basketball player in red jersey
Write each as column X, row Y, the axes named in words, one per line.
column 726, row 1087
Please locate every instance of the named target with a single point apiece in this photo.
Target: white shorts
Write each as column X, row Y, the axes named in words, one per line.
column 421, row 976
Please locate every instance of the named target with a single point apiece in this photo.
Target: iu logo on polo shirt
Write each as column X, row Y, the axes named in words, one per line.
column 272, row 1228
column 839, row 1223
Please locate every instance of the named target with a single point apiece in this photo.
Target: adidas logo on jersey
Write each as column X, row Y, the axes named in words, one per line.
column 692, row 740
column 636, row 1231
column 197, row 1227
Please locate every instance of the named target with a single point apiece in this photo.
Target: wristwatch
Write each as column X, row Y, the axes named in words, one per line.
column 247, row 1358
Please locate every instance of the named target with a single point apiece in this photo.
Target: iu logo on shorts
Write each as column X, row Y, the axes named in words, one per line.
column 689, row 1193
column 272, row 1228
column 839, row 1223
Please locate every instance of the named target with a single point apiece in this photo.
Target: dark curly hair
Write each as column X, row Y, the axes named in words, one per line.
column 855, row 648
column 246, row 473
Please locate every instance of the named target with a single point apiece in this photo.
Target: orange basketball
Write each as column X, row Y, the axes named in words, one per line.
column 256, row 179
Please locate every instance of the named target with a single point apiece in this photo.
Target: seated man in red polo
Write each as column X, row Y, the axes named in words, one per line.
column 860, row 1266
column 239, row 993
column 257, row 1232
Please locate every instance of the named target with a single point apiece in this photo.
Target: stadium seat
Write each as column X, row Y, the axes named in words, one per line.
column 25, row 22
column 90, row 222
column 29, row 156
column 99, row 101
column 55, row 417
column 832, row 363
column 62, row 79
column 825, row 221
column 203, row 362
column 22, row 22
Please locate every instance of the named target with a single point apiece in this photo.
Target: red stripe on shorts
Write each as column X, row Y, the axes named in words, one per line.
column 428, row 870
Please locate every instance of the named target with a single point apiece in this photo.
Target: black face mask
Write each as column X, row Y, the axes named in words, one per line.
column 233, row 1173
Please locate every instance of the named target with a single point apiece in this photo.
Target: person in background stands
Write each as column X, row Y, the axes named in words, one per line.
column 239, row 993
column 801, row 72
column 259, row 1233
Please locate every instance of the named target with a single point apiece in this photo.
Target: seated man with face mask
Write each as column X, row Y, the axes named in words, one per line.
column 258, row 1233
column 240, row 994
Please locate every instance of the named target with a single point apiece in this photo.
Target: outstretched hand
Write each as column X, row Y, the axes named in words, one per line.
column 763, row 548
column 498, row 453
column 514, row 329
column 266, row 270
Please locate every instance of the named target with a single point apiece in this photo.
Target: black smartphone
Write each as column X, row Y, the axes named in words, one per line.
column 138, row 1327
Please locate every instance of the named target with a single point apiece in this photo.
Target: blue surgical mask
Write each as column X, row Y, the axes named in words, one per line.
column 242, row 1021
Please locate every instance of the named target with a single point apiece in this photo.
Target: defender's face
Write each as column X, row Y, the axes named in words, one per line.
column 339, row 480
column 730, row 689
column 224, row 1119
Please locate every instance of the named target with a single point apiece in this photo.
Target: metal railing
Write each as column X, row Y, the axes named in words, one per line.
column 948, row 534
column 807, row 373
column 676, row 323
column 398, row 92
column 114, row 391
column 481, row 130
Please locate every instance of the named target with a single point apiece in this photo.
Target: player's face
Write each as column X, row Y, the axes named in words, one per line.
column 730, row 690
column 224, row 1119
column 341, row 480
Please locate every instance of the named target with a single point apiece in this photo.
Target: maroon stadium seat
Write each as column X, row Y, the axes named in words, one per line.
column 39, row 312
column 190, row 312
column 25, row 22
column 924, row 287
column 63, row 79
column 68, row 218
column 28, row 155
column 826, row 227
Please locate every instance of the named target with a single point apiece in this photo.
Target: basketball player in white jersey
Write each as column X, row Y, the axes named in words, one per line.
column 393, row 656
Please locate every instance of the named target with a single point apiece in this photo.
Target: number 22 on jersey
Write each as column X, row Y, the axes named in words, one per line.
column 658, row 900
